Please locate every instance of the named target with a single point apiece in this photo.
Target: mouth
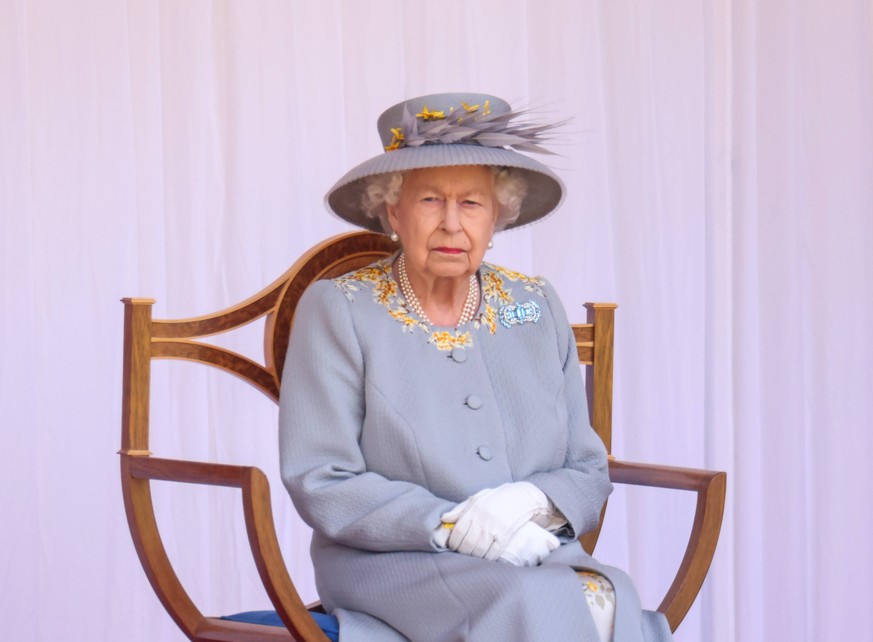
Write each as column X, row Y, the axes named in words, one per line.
column 449, row 250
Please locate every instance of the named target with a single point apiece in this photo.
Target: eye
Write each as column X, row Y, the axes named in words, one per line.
column 471, row 202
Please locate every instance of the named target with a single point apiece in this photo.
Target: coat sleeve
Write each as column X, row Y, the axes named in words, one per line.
column 321, row 413
column 580, row 488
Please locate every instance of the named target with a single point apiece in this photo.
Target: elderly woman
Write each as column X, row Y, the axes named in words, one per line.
column 433, row 424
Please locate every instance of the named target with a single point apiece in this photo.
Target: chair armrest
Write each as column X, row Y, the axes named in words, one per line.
column 710, row 489
column 259, row 526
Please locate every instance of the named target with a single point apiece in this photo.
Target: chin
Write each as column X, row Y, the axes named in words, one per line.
column 452, row 269
column 451, row 273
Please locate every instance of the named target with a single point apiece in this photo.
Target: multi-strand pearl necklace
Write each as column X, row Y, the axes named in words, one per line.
column 471, row 304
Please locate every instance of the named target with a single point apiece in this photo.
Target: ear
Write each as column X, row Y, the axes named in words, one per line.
column 392, row 215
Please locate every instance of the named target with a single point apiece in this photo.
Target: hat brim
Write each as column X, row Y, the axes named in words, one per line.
column 545, row 190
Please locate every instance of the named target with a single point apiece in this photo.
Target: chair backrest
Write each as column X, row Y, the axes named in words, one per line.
column 146, row 339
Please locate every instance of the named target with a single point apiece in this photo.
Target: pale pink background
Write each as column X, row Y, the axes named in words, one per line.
column 720, row 175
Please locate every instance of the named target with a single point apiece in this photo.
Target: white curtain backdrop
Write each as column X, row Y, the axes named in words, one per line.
column 720, row 174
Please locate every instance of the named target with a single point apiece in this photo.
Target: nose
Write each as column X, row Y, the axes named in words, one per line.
column 451, row 217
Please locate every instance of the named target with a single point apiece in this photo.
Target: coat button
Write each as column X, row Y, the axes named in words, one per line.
column 459, row 355
column 484, row 453
column 474, row 402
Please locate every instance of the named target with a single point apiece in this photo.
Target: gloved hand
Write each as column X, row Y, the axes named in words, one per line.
column 485, row 522
column 530, row 545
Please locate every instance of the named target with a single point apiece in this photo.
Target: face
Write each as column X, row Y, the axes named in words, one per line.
column 445, row 217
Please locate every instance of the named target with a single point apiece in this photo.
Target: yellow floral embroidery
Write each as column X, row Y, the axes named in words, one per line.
column 385, row 291
column 488, row 318
column 493, row 290
column 445, row 340
column 376, row 274
column 403, row 316
column 531, row 283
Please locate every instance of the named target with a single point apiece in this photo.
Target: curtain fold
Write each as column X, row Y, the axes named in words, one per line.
column 718, row 168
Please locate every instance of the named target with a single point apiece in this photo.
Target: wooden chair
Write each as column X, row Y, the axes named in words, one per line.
column 146, row 339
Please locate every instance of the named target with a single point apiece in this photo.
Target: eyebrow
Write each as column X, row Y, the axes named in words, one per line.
column 432, row 188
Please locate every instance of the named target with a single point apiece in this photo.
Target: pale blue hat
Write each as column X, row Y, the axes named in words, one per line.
column 442, row 130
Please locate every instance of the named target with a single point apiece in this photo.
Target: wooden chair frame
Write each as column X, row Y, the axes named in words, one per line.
column 146, row 339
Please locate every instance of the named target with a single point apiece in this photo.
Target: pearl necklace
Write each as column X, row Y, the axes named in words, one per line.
column 471, row 304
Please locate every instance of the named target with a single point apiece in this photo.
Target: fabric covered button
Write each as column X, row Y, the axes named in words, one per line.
column 459, row 355
column 484, row 453
column 474, row 402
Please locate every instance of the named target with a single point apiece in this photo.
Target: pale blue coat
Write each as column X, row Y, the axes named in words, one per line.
column 385, row 425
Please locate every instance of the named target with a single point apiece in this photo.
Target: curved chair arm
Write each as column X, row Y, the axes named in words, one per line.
column 710, row 489
column 261, row 533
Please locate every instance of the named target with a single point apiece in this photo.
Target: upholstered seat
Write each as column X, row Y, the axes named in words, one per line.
column 328, row 624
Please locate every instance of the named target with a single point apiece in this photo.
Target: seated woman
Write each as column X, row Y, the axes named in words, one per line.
column 433, row 427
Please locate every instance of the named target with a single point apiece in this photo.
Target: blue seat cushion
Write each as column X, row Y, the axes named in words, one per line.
column 327, row 623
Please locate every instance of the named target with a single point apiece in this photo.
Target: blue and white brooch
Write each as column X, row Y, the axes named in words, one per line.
column 518, row 313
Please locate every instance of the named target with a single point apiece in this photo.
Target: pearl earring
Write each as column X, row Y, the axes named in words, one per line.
column 490, row 244
column 394, row 238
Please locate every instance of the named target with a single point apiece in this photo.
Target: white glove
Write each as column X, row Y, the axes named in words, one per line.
column 530, row 545
column 485, row 522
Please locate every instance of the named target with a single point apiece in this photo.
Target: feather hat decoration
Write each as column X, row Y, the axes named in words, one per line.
column 450, row 129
